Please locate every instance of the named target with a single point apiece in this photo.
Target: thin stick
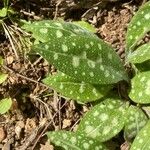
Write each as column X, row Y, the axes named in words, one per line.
column 46, row 127
column 24, row 77
column 32, row 136
column 10, row 39
column 50, row 115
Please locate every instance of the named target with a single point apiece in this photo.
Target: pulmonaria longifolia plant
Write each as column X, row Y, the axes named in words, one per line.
column 87, row 71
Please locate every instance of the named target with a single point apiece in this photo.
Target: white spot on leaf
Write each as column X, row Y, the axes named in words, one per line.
column 99, row 46
column 46, row 46
column 81, row 90
column 87, row 46
column 91, row 64
column 64, row 48
column 96, row 113
column 147, row 16
column 106, row 130
column 91, row 74
column 103, row 117
column 59, row 34
column 55, row 56
column 75, row 61
column 73, row 140
column 86, row 145
column 43, row 30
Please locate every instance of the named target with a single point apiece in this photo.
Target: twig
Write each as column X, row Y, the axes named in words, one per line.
column 57, row 5
column 50, row 115
column 30, row 15
column 59, row 114
column 24, row 77
column 9, row 37
column 46, row 127
column 75, row 124
column 32, row 136
column 37, row 61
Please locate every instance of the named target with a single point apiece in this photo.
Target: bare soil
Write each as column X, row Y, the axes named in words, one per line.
column 36, row 108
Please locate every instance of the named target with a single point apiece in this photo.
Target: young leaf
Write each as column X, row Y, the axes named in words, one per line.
column 1, row 61
column 136, row 120
column 5, row 105
column 142, row 140
column 46, row 30
column 71, row 88
column 140, row 89
column 74, row 141
column 3, row 77
column 84, row 58
column 139, row 26
column 104, row 120
column 3, row 12
column 140, row 55
column 85, row 25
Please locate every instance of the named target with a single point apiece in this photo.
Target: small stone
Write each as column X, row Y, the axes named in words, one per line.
column 10, row 60
column 66, row 123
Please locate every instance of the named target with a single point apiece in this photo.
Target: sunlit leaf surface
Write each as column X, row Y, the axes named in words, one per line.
column 136, row 120
column 142, row 140
column 105, row 120
column 140, row 88
column 139, row 26
column 5, row 105
column 74, row 141
column 77, row 90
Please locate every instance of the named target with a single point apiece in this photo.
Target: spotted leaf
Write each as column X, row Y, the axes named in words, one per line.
column 104, row 120
column 140, row 55
column 46, row 30
column 140, row 89
column 143, row 67
column 139, row 26
column 142, row 140
column 136, row 120
column 5, row 105
column 85, row 25
column 3, row 77
column 73, row 141
column 84, row 58
column 71, row 88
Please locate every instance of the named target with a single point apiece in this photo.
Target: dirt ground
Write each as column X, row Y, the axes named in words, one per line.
column 36, row 108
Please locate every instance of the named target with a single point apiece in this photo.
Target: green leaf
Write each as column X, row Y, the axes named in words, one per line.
column 1, row 60
column 74, row 141
column 46, row 30
column 5, row 105
column 86, row 58
column 142, row 140
column 140, row 88
column 10, row 11
column 3, row 12
column 3, row 77
column 104, row 120
column 139, row 26
column 136, row 120
column 77, row 90
column 140, row 55
column 85, row 25
column 144, row 66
